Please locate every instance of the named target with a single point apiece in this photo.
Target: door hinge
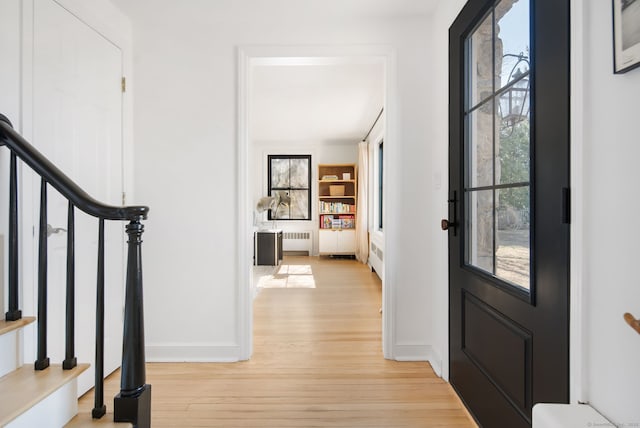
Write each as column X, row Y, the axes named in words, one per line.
column 124, row 198
column 123, row 84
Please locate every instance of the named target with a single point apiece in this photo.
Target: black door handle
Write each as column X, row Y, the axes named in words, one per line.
column 446, row 224
column 451, row 224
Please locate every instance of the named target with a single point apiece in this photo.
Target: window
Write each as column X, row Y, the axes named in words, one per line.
column 380, row 183
column 290, row 176
column 498, row 144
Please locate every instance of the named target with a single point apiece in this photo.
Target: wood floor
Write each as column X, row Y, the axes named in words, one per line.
column 317, row 362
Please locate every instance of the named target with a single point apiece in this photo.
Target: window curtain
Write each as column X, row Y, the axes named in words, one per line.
column 362, row 224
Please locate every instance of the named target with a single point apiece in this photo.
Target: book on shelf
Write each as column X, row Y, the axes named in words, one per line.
column 347, row 222
column 329, row 177
column 336, row 207
column 336, row 223
column 326, row 221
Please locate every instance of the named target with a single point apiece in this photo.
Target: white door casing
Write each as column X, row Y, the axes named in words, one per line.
column 264, row 55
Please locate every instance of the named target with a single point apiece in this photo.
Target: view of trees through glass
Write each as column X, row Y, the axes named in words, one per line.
column 498, row 144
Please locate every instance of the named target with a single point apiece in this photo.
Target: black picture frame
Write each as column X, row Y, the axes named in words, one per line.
column 626, row 35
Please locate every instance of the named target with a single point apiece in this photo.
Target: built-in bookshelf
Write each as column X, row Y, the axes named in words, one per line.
column 337, row 208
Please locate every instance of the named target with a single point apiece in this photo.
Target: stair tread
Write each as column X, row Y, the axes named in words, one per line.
column 25, row 387
column 84, row 419
column 8, row 326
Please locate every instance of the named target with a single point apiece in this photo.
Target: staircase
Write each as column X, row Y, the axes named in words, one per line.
column 43, row 394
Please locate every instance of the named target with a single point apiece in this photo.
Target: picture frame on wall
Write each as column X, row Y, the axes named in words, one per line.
column 626, row 35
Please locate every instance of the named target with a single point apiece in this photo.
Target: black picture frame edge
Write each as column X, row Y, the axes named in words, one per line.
column 615, row 50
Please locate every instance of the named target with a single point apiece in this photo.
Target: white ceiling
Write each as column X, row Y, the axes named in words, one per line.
column 326, row 102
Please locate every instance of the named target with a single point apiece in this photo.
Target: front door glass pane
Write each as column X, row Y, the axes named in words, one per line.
column 498, row 146
column 480, row 230
column 512, row 41
column 513, row 147
column 481, row 157
column 481, row 65
column 513, row 244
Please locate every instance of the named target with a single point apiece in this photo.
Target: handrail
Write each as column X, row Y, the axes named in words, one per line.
column 133, row 403
column 632, row 321
column 59, row 180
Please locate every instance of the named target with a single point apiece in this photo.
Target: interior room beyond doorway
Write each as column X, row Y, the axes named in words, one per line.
column 316, row 111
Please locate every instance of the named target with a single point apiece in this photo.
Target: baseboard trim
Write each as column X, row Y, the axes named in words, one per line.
column 406, row 352
column 192, row 353
column 411, row 352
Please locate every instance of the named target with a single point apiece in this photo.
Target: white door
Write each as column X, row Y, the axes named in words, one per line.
column 77, row 124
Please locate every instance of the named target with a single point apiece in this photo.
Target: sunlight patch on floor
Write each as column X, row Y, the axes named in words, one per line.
column 289, row 276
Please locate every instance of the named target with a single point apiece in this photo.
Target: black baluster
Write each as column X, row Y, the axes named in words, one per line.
column 99, row 409
column 133, row 403
column 14, row 312
column 70, row 360
column 43, row 361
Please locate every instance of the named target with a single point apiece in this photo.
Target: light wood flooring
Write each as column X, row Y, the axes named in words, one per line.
column 317, row 362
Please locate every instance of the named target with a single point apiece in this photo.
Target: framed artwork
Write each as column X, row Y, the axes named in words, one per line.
column 626, row 35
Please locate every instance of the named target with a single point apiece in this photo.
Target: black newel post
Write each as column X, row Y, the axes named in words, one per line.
column 133, row 403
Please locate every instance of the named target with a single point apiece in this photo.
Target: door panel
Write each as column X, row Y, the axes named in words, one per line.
column 77, row 125
column 509, row 171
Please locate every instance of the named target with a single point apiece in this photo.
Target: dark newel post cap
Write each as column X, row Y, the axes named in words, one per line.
column 6, row 120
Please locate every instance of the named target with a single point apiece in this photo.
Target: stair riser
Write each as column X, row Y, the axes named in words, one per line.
column 54, row 411
column 9, row 345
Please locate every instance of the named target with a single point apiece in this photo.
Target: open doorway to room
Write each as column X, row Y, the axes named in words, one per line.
column 307, row 120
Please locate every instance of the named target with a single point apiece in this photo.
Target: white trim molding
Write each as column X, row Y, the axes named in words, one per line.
column 244, row 300
column 249, row 56
column 192, row 352
column 577, row 333
column 416, row 352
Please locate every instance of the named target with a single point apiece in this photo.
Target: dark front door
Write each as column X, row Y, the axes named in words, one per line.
column 509, row 214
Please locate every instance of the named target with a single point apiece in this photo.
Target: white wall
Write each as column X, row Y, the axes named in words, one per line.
column 10, row 107
column 186, row 161
column 608, row 184
column 438, row 181
column 10, row 50
column 321, row 153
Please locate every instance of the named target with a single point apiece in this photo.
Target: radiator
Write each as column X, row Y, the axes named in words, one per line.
column 297, row 241
column 376, row 258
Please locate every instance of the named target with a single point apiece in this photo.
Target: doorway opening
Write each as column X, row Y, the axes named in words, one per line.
column 316, row 104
